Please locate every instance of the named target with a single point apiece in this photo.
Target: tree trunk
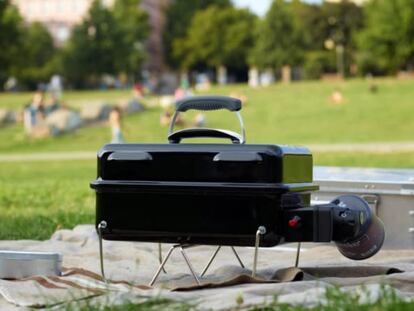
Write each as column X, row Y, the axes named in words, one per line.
column 286, row 74
column 253, row 77
column 221, row 75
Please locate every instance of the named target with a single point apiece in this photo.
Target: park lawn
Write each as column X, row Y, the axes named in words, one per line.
column 299, row 113
column 16, row 101
column 38, row 197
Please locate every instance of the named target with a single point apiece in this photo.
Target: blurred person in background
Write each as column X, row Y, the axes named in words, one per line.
column 34, row 112
column 52, row 104
column 199, row 120
column 167, row 114
column 138, row 91
column 55, row 86
column 115, row 121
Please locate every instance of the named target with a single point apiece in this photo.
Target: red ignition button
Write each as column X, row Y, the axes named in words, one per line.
column 294, row 222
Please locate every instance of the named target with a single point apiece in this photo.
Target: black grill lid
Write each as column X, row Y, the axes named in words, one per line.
column 205, row 163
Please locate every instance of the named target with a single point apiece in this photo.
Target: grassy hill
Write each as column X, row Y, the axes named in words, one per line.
column 38, row 197
column 299, row 113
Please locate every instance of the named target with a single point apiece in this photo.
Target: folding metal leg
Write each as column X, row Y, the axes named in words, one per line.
column 260, row 231
column 160, row 256
column 237, row 256
column 210, row 261
column 102, row 225
column 297, row 255
column 214, row 256
column 190, row 266
column 155, row 277
column 161, row 267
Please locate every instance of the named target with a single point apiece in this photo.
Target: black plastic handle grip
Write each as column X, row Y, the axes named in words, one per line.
column 212, row 102
column 176, row 137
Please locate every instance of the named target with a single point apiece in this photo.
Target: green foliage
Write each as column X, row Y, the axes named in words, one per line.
column 11, row 39
column 293, row 29
column 134, row 28
column 387, row 42
column 38, row 63
column 27, row 51
column 312, row 22
column 217, row 36
column 107, row 42
column 279, row 38
column 178, row 19
column 92, row 47
column 338, row 300
column 318, row 62
column 342, row 20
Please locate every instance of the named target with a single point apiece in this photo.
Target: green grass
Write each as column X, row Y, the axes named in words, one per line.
column 300, row 113
column 36, row 198
column 365, row 159
column 17, row 101
column 335, row 300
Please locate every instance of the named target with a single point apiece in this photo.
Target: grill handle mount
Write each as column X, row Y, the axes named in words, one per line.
column 207, row 103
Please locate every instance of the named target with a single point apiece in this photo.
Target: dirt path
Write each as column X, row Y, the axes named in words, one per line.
column 89, row 155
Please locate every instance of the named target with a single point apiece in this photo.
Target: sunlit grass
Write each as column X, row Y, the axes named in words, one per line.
column 299, row 113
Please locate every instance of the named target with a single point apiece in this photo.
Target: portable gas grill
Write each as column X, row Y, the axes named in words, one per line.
column 222, row 194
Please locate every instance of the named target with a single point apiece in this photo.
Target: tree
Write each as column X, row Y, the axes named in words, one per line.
column 279, row 38
column 217, row 37
column 336, row 23
column 342, row 21
column 178, row 18
column 39, row 51
column 11, row 39
column 387, row 42
column 133, row 24
column 91, row 49
column 107, row 42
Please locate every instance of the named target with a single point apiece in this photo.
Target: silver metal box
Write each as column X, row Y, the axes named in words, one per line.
column 389, row 192
column 15, row 265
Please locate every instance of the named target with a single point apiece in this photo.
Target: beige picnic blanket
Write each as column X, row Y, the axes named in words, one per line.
column 130, row 267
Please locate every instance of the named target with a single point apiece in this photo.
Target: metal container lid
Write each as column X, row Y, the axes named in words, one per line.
column 19, row 255
column 378, row 180
column 363, row 174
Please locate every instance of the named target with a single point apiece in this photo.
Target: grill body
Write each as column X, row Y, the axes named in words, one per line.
column 212, row 194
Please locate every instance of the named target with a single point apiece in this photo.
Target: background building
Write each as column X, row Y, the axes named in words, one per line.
column 156, row 18
column 59, row 17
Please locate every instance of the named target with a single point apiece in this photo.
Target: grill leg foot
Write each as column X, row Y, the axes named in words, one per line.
column 260, row 231
column 102, row 225
column 297, row 255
